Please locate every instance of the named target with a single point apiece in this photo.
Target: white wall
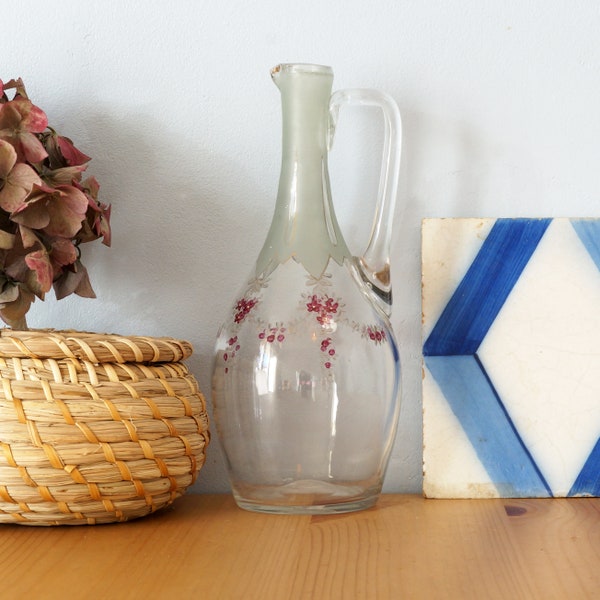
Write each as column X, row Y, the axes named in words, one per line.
column 173, row 100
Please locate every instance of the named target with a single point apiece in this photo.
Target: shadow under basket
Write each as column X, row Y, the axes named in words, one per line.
column 95, row 428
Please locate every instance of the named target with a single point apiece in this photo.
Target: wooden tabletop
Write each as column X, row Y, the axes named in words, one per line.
column 406, row 547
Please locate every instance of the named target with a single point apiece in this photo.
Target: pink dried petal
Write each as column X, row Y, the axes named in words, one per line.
column 42, row 272
column 31, row 148
column 17, row 186
column 13, row 312
column 8, row 158
column 33, row 118
column 91, row 186
column 75, row 281
column 72, row 155
column 7, row 240
column 59, row 211
column 67, row 212
column 62, row 252
column 65, row 175
column 102, row 226
column 10, row 119
column 28, row 237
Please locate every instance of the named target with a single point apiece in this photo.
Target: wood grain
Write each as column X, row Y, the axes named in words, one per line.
column 405, row 547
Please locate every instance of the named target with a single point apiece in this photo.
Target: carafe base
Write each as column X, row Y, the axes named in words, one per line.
column 308, row 497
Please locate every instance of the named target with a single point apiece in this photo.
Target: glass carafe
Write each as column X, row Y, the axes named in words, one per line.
column 307, row 372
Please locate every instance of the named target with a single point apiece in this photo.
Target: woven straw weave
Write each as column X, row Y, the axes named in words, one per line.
column 95, row 428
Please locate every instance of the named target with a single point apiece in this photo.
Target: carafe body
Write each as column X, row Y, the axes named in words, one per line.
column 307, row 372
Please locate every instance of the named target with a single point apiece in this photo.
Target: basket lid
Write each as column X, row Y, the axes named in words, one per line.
column 93, row 347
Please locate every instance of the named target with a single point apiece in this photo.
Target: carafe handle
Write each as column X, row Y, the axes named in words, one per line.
column 374, row 264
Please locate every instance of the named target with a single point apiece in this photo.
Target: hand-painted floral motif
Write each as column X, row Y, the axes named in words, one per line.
column 319, row 304
column 272, row 334
column 324, row 306
column 232, row 348
column 329, row 350
column 376, row 334
column 243, row 308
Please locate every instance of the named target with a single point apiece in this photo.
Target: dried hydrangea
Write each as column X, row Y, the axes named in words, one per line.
column 47, row 209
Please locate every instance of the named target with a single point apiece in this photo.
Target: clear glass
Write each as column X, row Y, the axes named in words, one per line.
column 307, row 372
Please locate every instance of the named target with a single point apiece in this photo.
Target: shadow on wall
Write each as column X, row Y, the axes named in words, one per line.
column 186, row 239
column 181, row 244
column 172, row 231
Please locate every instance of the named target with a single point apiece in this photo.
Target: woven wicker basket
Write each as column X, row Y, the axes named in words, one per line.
column 95, row 428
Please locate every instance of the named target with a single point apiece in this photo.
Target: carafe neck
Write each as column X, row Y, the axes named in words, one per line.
column 305, row 93
column 304, row 225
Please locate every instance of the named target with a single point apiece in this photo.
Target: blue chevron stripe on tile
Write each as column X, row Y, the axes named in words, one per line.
column 480, row 411
column 484, row 289
column 588, row 231
column 588, row 480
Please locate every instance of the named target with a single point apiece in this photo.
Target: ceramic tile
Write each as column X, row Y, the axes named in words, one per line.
column 511, row 329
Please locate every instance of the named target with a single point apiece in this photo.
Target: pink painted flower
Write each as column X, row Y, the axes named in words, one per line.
column 376, row 334
column 272, row 334
column 243, row 308
column 331, row 305
column 325, row 307
column 314, row 305
column 232, row 348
